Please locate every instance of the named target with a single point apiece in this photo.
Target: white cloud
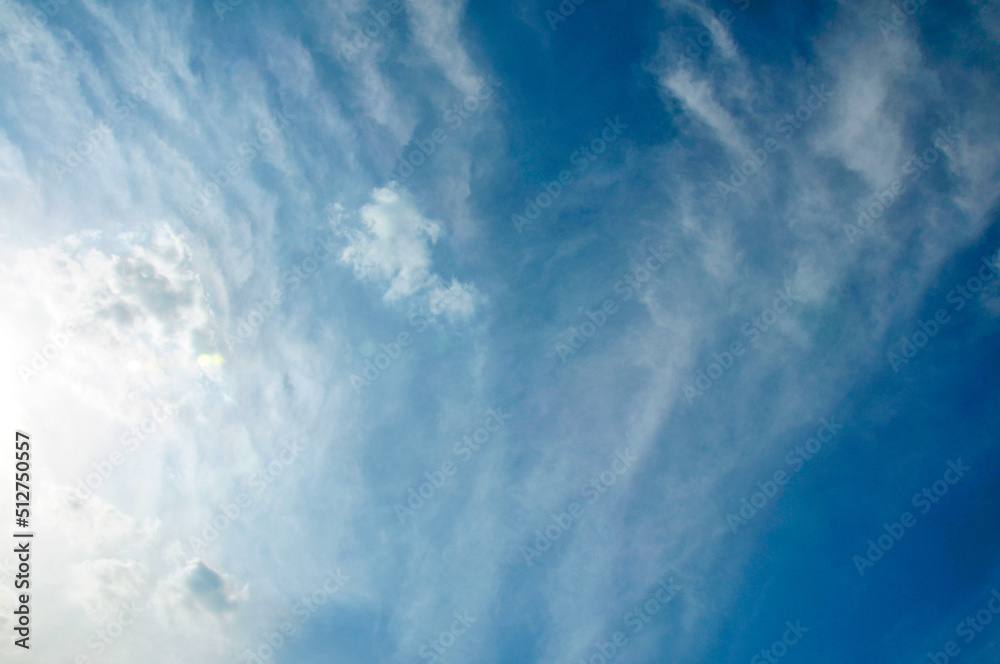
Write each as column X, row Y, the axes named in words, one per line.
column 436, row 24
column 197, row 587
column 700, row 100
column 134, row 302
column 395, row 245
column 100, row 585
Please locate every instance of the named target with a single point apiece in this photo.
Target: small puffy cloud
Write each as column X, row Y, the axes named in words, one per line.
column 393, row 245
column 213, row 590
column 458, row 300
column 197, row 587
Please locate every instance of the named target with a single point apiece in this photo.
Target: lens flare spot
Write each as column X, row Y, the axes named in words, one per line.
column 205, row 360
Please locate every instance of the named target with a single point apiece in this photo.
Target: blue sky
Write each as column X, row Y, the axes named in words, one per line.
column 443, row 331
